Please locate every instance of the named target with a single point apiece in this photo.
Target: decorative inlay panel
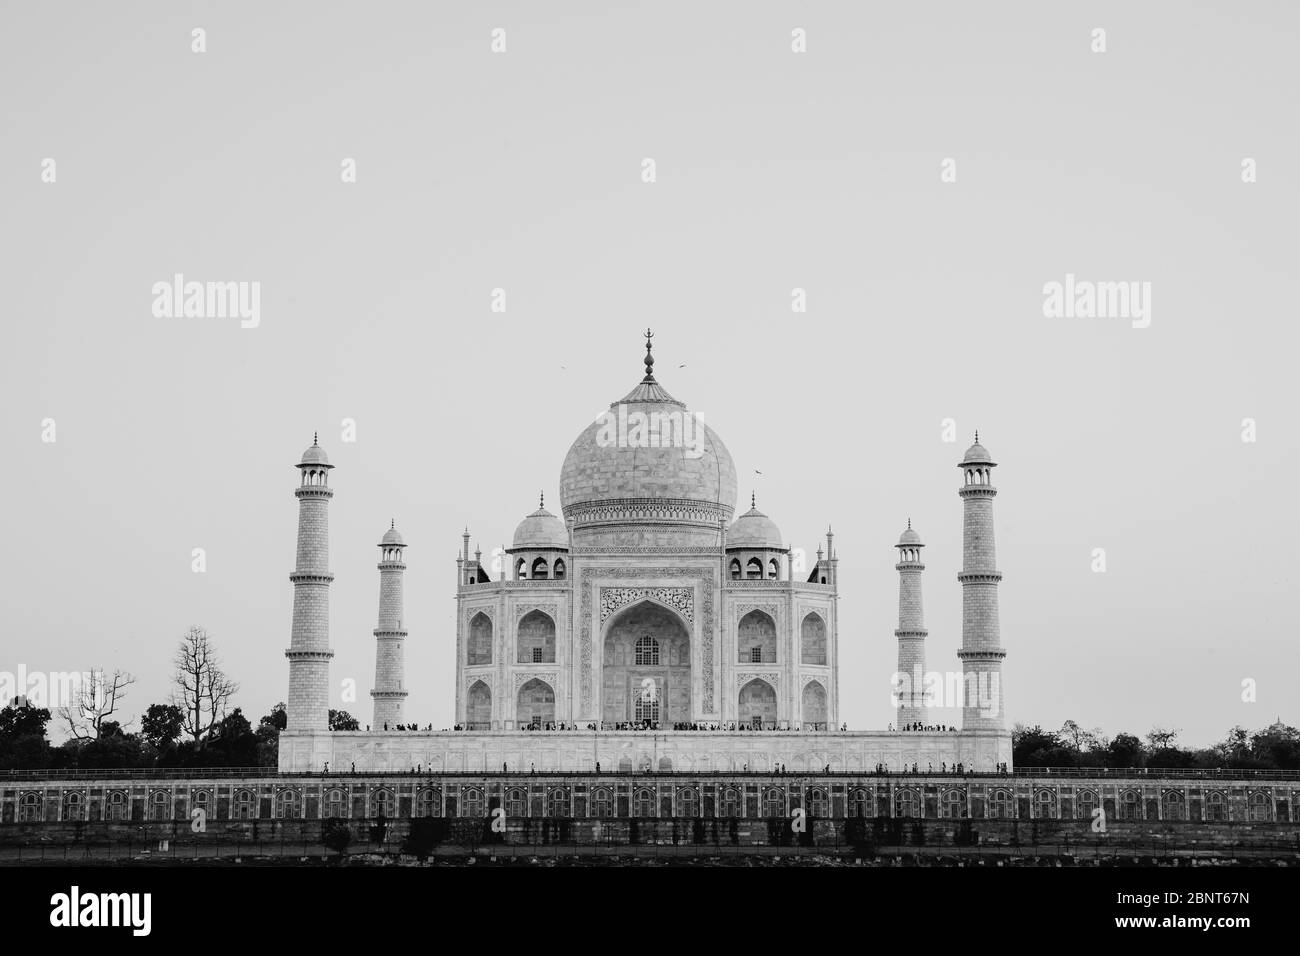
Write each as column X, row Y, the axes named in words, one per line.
column 681, row 600
column 521, row 679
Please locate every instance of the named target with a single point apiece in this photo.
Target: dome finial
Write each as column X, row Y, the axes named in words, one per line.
column 392, row 524
column 753, row 499
column 977, row 436
column 541, row 500
column 909, row 524
column 314, row 438
column 649, row 358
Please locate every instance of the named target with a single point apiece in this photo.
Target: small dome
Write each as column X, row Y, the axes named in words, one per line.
column 393, row 538
column 754, row 531
column 977, row 454
column 315, row 455
column 541, row 529
column 910, row 537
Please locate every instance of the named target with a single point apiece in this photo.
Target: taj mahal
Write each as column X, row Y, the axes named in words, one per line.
column 645, row 627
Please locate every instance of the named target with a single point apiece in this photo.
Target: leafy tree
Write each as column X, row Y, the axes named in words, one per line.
column 1277, row 746
column 1125, row 751
column 22, row 737
column 162, row 725
column 268, row 736
column 342, row 720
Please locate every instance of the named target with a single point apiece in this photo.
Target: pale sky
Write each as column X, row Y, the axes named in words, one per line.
column 775, row 170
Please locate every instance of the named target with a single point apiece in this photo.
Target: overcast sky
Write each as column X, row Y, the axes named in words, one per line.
column 774, row 170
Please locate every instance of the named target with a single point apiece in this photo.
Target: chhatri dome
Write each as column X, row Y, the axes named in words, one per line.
column 315, row 455
column 909, row 536
column 541, row 529
column 977, row 453
column 755, row 531
column 628, row 468
column 392, row 537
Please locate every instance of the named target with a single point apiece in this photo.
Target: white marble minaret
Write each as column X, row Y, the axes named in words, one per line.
column 981, row 642
column 911, row 631
column 309, row 651
column 390, row 634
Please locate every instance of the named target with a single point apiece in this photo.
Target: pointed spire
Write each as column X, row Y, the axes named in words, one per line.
column 649, row 358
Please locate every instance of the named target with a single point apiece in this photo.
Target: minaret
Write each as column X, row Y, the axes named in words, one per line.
column 911, row 631
column 390, row 635
column 309, row 653
column 981, row 647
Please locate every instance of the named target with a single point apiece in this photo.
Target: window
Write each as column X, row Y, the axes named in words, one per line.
column 117, row 806
column 557, row 803
column 1046, row 801
column 516, row 803
column 537, row 655
column 472, row 805
column 334, row 805
column 1173, row 805
column 427, row 803
column 773, row 803
column 954, row 804
column 754, row 569
column 647, row 708
column 756, row 655
column 647, row 650
column 381, row 804
column 1259, row 806
column 818, row 805
column 540, row 570
column 1000, row 804
column 1129, row 806
column 772, row 569
column 286, row 805
column 602, row 802
column 735, row 570
column 729, row 804
column 644, row 803
column 244, row 805
column 1087, row 803
column 559, row 570
column 688, row 804
column 29, row 808
column 861, row 804
column 73, row 807
column 1217, row 807
column 907, row 803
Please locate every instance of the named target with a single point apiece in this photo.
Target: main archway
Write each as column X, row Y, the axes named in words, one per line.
column 646, row 667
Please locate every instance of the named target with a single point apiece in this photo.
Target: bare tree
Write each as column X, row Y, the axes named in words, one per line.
column 1160, row 738
column 94, row 700
column 1080, row 738
column 203, row 690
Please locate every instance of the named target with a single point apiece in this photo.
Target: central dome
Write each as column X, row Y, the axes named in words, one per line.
column 648, row 460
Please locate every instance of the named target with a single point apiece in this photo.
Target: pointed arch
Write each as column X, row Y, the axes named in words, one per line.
column 812, row 639
column 479, row 649
column 478, row 707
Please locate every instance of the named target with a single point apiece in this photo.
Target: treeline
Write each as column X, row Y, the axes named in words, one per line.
column 232, row 742
column 1274, row 748
column 196, row 728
